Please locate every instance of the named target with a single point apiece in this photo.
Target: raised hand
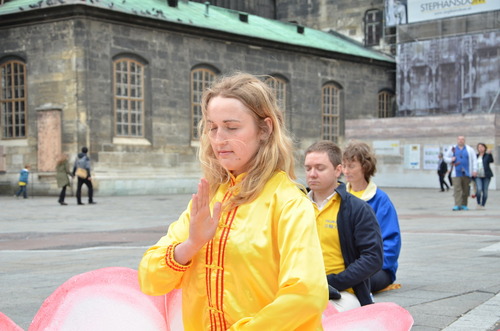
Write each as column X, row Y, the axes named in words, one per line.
column 203, row 223
column 202, row 226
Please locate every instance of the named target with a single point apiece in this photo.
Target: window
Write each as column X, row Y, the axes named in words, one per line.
column 129, row 98
column 13, row 99
column 330, row 105
column 201, row 78
column 373, row 27
column 385, row 100
column 278, row 85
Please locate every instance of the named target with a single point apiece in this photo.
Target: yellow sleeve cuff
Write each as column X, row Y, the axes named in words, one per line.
column 172, row 263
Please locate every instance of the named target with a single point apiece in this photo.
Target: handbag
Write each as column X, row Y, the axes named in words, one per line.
column 81, row 173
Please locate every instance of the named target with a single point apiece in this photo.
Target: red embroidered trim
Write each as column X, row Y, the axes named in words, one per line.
column 216, row 311
column 172, row 263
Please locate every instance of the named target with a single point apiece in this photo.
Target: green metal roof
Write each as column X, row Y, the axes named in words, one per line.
column 214, row 18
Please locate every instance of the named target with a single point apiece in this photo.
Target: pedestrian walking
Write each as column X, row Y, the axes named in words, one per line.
column 23, row 182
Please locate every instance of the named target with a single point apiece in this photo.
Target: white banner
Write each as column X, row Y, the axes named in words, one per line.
column 431, row 159
column 412, row 156
column 386, row 147
column 424, row 10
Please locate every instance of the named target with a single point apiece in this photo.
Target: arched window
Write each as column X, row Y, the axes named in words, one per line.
column 279, row 86
column 13, row 99
column 201, row 78
column 129, row 97
column 385, row 102
column 330, row 110
column 373, row 27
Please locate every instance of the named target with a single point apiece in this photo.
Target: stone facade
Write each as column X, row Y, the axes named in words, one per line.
column 69, row 61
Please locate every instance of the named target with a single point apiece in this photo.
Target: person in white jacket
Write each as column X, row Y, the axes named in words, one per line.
column 463, row 161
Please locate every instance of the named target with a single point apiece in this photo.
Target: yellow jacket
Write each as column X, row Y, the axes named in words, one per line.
column 262, row 271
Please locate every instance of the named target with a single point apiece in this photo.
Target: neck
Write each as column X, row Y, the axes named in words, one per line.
column 320, row 196
column 359, row 185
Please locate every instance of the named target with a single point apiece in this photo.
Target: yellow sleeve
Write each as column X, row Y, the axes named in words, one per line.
column 158, row 272
column 302, row 294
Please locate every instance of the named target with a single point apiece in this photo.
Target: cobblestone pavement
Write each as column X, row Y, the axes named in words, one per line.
column 449, row 263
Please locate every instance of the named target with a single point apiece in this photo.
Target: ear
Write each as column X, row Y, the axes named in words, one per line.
column 338, row 171
column 265, row 133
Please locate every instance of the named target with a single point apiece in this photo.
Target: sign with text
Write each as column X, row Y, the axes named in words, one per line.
column 386, row 147
column 431, row 158
column 424, row 10
column 412, row 156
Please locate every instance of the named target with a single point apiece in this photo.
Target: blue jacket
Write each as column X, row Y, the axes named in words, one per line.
column 23, row 176
column 387, row 218
column 361, row 245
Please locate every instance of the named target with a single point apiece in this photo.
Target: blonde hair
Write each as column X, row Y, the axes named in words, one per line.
column 275, row 152
column 62, row 158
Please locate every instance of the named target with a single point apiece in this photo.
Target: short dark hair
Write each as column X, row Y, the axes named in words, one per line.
column 330, row 148
column 85, row 149
column 484, row 145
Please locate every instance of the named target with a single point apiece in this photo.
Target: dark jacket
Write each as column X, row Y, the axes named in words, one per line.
column 361, row 244
column 443, row 168
column 487, row 159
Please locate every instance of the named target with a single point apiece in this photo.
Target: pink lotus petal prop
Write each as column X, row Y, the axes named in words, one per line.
column 6, row 324
column 110, row 299
column 174, row 310
column 103, row 299
column 383, row 316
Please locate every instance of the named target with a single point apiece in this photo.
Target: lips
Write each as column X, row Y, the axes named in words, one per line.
column 224, row 153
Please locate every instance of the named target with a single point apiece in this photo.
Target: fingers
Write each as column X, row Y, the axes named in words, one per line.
column 194, row 204
column 203, row 191
column 216, row 212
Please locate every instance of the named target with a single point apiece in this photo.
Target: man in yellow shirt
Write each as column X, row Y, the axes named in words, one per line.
column 347, row 228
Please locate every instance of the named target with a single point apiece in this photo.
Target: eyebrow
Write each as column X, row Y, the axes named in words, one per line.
column 225, row 121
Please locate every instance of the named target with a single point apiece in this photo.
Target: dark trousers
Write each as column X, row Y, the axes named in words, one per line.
column 62, row 195
column 90, row 190
column 442, row 182
column 22, row 190
column 380, row 280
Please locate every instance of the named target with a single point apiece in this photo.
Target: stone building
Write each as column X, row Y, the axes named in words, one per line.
column 124, row 78
column 447, row 75
column 448, row 84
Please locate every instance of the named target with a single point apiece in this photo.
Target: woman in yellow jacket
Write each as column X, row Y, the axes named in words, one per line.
column 245, row 252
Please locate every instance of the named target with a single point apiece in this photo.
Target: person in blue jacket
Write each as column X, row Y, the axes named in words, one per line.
column 359, row 164
column 347, row 227
column 23, row 182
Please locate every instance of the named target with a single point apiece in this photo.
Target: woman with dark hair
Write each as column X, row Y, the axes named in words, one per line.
column 484, row 174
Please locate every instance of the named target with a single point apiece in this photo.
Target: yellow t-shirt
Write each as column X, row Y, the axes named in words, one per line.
column 357, row 194
column 326, row 223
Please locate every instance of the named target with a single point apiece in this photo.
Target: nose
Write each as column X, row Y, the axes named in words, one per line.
column 312, row 173
column 218, row 136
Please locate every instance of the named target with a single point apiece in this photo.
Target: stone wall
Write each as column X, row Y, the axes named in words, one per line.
column 69, row 64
